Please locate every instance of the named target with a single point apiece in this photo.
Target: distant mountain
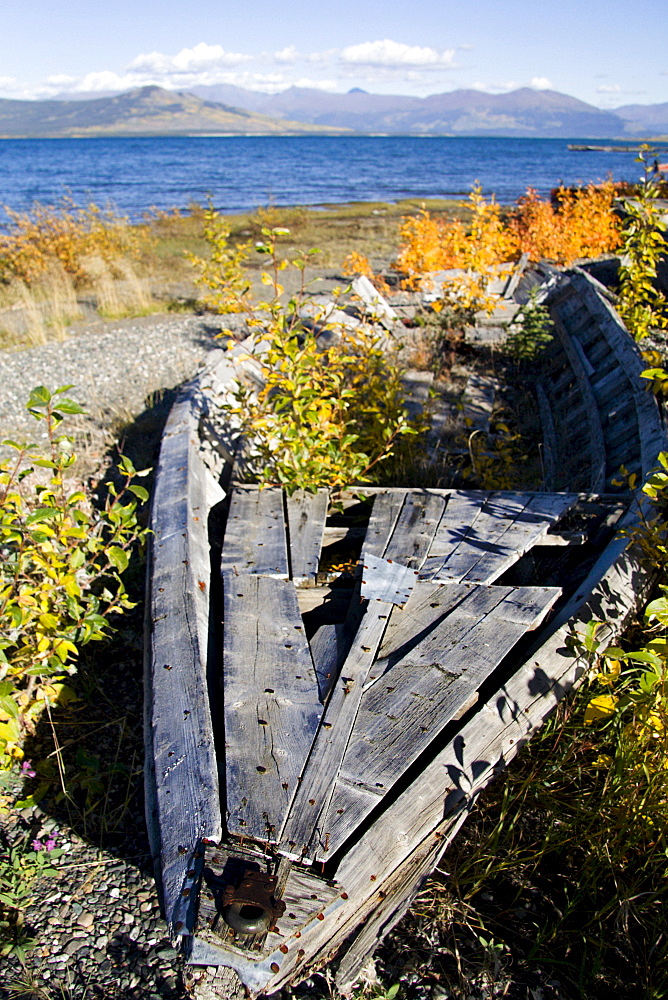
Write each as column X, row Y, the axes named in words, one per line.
column 144, row 111
column 644, row 119
column 524, row 112
column 225, row 108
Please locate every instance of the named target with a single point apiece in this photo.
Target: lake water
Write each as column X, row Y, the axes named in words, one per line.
column 242, row 172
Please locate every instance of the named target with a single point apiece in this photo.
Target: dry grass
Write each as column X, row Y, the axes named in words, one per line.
column 161, row 279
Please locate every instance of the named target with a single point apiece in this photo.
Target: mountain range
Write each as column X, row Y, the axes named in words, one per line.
column 227, row 109
column 144, row 111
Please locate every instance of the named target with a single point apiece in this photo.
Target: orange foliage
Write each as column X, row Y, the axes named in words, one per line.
column 583, row 224
column 357, row 264
column 429, row 244
column 68, row 234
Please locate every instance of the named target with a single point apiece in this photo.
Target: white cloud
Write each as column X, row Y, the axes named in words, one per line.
column 541, row 83
column 495, row 88
column 199, row 57
column 388, row 53
column 612, row 88
column 10, row 85
column 287, row 55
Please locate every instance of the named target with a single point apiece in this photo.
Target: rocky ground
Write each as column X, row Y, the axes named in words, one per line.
column 95, row 926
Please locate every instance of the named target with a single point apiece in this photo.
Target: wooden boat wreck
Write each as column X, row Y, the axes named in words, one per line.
column 315, row 739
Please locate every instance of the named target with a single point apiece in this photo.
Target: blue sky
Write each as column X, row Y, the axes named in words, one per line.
column 606, row 53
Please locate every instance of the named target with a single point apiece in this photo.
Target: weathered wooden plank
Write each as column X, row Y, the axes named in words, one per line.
column 330, row 744
column 422, row 690
column 255, row 539
column 549, row 451
column 595, row 430
column 415, row 528
column 183, row 802
column 458, row 547
column 389, row 904
column 652, row 435
column 329, row 647
column 272, row 706
column 386, row 580
column 520, row 535
column 376, row 304
column 513, row 713
column 384, row 514
column 307, row 513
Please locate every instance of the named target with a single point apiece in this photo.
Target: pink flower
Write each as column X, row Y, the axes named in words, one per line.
column 45, row 845
column 27, row 770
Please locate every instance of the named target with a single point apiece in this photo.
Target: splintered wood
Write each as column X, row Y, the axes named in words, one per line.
column 430, row 629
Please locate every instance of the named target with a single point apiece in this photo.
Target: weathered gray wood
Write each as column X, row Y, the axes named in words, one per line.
column 480, row 549
column 423, row 688
column 595, row 428
column 255, row 539
column 415, row 528
column 386, row 580
column 388, row 906
column 318, row 776
column 329, row 647
column 272, row 705
column 652, row 435
column 491, row 739
column 515, row 276
column 549, row 452
column 374, row 301
column 307, row 513
column 183, row 802
column 521, row 534
column 386, row 507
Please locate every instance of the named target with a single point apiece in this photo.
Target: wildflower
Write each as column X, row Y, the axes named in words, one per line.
column 27, row 770
column 44, row 845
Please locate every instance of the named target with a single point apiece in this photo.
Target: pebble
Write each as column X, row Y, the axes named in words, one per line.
column 86, row 920
column 73, row 947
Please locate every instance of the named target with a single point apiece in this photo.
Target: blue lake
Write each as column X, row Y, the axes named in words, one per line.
column 242, row 172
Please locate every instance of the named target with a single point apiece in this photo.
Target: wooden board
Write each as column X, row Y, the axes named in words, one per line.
column 307, row 513
column 386, row 507
column 272, row 705
column 415, row 528
column 182, row 796
column 255, row 539
column 481, row 535
column 491, row 739
column 318, row 777
column 425, row 678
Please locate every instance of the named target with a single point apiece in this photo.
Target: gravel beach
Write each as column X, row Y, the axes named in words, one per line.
column 112, row 367
column 96, row 925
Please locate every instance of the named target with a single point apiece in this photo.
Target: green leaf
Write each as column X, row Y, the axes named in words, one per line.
column 42, row 514
column 118, row 557
column 139, row 492
column 39, row 396
column 69, row 406
column 9, row 706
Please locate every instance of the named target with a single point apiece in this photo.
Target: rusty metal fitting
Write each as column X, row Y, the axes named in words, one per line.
column 250, row 907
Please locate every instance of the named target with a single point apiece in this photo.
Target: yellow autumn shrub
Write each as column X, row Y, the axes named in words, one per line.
column 68, row 234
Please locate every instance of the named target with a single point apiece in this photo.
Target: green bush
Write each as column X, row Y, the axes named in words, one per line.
column 60, row 569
